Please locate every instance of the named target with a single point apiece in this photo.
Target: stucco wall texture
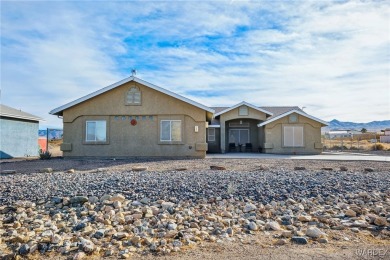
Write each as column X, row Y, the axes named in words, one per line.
column 142, row 139
column 311, row 136
column 18, row 138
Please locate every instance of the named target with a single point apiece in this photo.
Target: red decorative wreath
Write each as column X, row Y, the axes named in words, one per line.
column 133, row 122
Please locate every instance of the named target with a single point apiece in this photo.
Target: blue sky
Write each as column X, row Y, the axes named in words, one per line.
column 331, row 57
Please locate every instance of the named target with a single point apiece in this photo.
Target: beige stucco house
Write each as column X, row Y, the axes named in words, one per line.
column 248, row 128
column 134, row 118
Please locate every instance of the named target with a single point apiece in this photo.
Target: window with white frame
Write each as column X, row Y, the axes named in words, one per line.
column 170, row 130
column 293, row 136
column 133, row 96
column 211, row 134
column 96, row 131
column 243, row 111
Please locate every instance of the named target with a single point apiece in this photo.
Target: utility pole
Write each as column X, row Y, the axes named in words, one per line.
column 47, row 139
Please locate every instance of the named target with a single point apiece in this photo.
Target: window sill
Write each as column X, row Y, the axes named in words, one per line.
column 171, row 142
column 95, row 142
column 128, row 104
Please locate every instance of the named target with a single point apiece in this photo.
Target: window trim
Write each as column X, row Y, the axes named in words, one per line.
column 86, row 131
column 293, row 134
column 210, row 135
column 170, row 131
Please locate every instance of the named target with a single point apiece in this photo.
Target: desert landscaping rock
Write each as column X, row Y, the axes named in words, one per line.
column 343, row 168
column 120, row 212
column 369, row 169
column 314, row 232
column 380, row 221
column 299, row 240
column 8, row 172
column 47, row 170
column 139, row 168
column 217, row 168
column 181, row 169
column 299, row 168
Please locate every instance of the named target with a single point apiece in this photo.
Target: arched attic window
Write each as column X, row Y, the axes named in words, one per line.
column 133, row 96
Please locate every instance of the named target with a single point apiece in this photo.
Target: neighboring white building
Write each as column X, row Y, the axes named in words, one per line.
column 386, row 137
column 342, row 133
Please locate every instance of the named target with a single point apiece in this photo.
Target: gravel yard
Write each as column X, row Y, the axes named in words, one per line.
column 262, row 181
column 177, row 204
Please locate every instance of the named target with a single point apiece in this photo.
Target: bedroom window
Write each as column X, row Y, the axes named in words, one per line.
column 170, row 130
column 211, row 134
column 96, row 131
column 293, row 136
column 133, row 96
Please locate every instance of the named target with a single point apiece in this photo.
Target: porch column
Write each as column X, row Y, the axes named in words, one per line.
column 222, row 134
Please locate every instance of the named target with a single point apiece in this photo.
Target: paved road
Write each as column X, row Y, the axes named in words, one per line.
column 334, row 156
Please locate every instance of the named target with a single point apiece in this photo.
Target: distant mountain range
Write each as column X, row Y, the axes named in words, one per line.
column 370, row 126
column 53, row 133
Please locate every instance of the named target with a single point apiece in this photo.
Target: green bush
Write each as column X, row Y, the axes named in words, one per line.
column 44, row 155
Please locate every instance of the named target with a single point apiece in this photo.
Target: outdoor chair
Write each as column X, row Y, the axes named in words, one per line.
column 248, row 147
column 232, row 147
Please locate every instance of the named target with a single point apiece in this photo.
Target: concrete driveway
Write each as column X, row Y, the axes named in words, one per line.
column 332, row 156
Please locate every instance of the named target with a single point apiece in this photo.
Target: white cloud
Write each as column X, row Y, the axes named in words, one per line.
column 331, row 57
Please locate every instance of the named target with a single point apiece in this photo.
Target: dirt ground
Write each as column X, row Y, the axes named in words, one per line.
column 260, row 246
column 358, row 246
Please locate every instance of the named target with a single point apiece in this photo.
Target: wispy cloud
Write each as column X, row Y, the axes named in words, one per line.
column 329, row 56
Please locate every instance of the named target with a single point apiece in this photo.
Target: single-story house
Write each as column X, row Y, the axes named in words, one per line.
column 134, row 118
column 18, row 133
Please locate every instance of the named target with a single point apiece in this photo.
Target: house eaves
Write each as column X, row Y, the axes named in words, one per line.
column 243, row 103
column 6, row 111
column 58, row 111
column 290, row 112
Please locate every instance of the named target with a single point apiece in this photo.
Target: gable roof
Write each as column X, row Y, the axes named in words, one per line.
column 7, row 111
column 276, row 111
column 58, row 110
column 300, row 112
column 243, row 103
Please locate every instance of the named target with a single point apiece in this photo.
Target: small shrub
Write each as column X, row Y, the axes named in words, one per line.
column 335, row 147
column 353, row 148
column 44, row 155
column 379, row 147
